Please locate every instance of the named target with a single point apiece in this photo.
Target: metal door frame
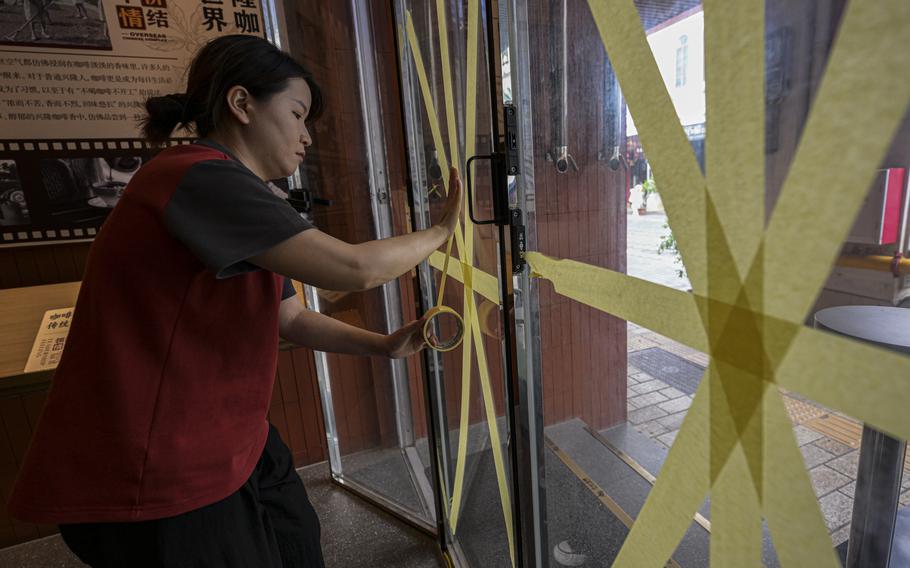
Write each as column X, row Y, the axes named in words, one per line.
column 518, row 295
column 381, row 208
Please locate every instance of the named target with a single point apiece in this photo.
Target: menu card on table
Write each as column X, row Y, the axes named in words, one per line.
column 51, row 338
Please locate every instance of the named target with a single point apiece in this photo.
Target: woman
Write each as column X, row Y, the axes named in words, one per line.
column 154, row 448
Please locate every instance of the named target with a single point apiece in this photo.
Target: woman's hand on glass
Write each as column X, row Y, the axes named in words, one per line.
column 452, row 211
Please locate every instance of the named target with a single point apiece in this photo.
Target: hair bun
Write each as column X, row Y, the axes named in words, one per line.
column 171, row 105
column 164, row 115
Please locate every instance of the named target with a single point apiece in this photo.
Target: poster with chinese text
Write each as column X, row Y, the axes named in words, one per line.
column 74, row 76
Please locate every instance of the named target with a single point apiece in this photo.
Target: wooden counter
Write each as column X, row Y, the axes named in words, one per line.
column 21, row 310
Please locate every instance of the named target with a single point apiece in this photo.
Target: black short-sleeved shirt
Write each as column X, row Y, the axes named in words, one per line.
column 226, row 214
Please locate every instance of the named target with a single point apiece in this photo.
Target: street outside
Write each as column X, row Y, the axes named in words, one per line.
column 644, row 234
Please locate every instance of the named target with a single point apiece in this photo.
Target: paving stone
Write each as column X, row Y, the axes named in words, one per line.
column 633, row 370
column 651, row 429
column 832, row 446
column 805, row 435
column 905, row 480
column 668, row 438
column 645, row 414
column 674, row 421
column 648, row 386
column 631, row 381
column 904, row 499
column 846, row 464
column 676, row 405
column 699, row 359
column 825, row 480
column 632, row 404
column 642, row 377
column 837, row 509
column 814, row 456
column 849, row 489
column 638, row 343
column 840, row 535
column 672, row 393
column 649, row 399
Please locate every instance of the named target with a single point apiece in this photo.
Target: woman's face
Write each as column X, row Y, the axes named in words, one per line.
column 276, row 133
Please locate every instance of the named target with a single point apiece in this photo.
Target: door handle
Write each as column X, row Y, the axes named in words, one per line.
column 492, row 158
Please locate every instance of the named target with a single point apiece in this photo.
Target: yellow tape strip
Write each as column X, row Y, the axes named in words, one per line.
column 735, row 150
column 734, row 222
column 736, row 307
column 680, row 489
column 789, row 503
column 676, row 170
column 801, row 369
column 484, row 283
column 752, row 288
column 443, row 36
column 865, row 89
column 465, row 250
column 629, row 298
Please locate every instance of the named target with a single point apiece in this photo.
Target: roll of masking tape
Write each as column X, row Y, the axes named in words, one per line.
column 438, row 313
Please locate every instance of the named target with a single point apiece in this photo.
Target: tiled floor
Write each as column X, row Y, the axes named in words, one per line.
column 828, row 441
column 354, row 534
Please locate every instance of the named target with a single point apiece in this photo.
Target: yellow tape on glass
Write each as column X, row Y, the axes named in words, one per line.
column 753, row 286
column 465, row 245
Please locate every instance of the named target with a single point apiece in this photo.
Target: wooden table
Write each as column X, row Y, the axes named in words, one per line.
column 21, row 310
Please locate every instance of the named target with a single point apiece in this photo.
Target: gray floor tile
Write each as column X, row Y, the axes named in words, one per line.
column 846, row 464
column 354, row 534
column 651, row 429
column 668, row 438
column 649, row 399
column 676, row 405
column 837, row 509
column 674, row 421
column 849, row 489
column 832, row 446
column 645, row 414
column 840, row 535
column 805, row 435
column 648, row 386
column 814, row 456
column 672, row 393
column 825, row 480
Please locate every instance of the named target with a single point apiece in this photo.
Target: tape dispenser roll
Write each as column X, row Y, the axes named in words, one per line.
column 436, row 315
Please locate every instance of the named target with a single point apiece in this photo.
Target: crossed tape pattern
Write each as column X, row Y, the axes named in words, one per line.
column 464, row 240
column 753, row 283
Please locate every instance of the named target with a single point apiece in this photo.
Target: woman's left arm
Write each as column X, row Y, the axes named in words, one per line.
column 323, row 333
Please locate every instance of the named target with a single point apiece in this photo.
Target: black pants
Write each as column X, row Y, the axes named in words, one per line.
column 267, row 523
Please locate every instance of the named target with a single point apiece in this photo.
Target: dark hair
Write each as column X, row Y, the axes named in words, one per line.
column 248, row 61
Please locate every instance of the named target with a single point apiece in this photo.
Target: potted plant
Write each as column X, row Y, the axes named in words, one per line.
column 647, row 188
column 668, row 245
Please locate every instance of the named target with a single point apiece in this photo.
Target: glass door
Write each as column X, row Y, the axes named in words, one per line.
column 692, row 225
column 453, row 114
column 373, row 408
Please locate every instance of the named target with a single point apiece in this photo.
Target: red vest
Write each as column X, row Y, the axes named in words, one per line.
column 159, row 403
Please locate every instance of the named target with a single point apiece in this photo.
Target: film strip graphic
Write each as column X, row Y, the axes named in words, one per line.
column 75, row 145
column 55, row 191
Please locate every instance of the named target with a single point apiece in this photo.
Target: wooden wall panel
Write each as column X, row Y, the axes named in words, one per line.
column 42, row 264
column 580, row 215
